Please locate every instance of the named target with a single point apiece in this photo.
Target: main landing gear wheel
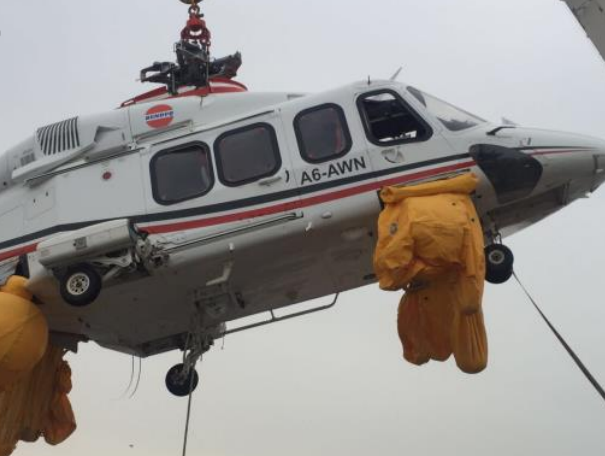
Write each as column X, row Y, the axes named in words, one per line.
column 499, row 261
column 81, row 285
column 181, row 385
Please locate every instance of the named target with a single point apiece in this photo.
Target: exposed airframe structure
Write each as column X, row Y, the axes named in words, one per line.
column 591, row 14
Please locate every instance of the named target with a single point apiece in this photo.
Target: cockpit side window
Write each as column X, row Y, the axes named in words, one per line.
column 389, row 120
column 247, row 154
column 181, row 173
column 452, row 117
column 322, row 133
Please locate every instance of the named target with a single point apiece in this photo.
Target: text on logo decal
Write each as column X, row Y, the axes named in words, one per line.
column 159, row 115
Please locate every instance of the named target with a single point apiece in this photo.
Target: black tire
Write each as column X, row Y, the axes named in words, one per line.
column 179, row 386
column 499, row 261
column 81, row 285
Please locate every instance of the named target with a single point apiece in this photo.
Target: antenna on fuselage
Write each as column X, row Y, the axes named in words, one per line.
column 396, row 75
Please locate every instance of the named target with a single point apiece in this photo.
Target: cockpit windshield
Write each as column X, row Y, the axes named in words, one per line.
column 454, row 119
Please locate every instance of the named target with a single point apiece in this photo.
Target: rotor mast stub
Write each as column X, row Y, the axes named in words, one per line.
column 194, row 66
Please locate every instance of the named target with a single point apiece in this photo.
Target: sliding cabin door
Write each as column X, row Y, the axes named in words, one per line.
column 223, row 183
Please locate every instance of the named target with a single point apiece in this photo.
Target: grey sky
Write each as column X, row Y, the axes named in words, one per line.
column 335, row 384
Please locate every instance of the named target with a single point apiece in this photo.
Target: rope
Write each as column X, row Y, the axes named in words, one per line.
column 569, row 350
column 136, row 386
column 131, row 381
column 188, row 419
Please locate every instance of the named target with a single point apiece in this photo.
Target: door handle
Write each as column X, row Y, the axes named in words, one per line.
column 270, row 181
column 393, row 155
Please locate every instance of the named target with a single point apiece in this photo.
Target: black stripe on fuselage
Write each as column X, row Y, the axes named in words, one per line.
column 234, row 205
column 247, row 202
column 296, row 192
column 255, row 201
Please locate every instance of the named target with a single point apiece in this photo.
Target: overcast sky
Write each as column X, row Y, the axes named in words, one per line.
column 335, row 383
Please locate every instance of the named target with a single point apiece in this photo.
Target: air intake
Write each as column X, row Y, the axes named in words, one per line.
column 59, row 137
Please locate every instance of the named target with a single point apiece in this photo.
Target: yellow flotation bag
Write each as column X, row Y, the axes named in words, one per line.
column 23, row 332
column 38, row 405
column 34, row 378
column 430, row 244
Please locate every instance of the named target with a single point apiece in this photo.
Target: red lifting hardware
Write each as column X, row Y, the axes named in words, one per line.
column 196, row 30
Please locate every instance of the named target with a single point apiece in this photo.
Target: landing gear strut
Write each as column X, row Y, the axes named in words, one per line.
column 499, row 261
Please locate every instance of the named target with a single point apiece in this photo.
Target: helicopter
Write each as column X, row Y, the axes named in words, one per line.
column 151, row 227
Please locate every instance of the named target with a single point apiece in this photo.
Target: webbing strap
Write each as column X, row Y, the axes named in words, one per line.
column 597, row 386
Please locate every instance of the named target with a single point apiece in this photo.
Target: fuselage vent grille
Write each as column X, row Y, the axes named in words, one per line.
column 59, row 137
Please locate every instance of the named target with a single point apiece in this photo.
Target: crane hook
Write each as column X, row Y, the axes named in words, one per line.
column 196, row 30
column 194, row 6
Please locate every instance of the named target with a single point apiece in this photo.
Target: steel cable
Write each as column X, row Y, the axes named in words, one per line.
column 597, row 386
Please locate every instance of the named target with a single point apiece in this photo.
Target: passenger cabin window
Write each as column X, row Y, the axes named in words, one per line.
column 182, row 173
column 322, row 133
column 247, row 155
column 388, row 120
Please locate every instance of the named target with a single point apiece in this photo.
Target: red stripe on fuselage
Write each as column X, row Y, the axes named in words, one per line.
column 15, row 253
column 275, row 209
column 299, row 204
column 295, row 204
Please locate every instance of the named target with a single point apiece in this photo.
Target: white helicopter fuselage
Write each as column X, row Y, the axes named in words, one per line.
column 243, row 203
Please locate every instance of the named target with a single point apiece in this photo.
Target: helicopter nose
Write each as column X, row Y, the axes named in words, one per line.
column 544, row 170
column 599, row 159
column 580, row 169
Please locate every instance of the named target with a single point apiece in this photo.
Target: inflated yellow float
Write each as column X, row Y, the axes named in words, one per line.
column 23, row 332
column 34, row 378
column 431, row 245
